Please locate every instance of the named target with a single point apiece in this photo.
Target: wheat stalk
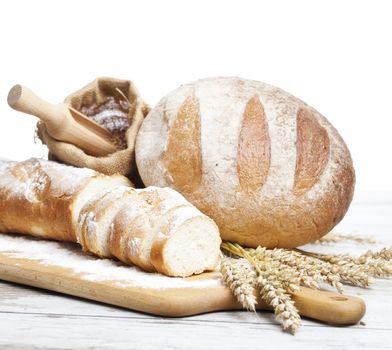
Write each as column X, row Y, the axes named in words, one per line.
column 376, row 264
column 274, row 289
column 385, row 254
column 277, row 273
column 335, row 237
column 240, row 277
column 309, row 271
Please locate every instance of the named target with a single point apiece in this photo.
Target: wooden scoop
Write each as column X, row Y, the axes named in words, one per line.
column 63, row 123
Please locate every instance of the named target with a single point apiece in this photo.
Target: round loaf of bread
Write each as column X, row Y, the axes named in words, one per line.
column 268, row 168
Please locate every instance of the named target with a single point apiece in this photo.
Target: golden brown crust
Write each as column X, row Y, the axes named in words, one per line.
column 127, row 237
column 183, row 154
column 115, row 242
column 312, row 152
column 34, row 204
column 94, row 212
column 330, row 209
column 157, row 255
column 254, row 149
column 289, row 224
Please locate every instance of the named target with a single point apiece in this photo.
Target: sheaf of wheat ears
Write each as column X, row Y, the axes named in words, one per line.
column 272, row 290
column 351, row 270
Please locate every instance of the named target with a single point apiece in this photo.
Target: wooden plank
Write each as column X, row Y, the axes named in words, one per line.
column 84, row 332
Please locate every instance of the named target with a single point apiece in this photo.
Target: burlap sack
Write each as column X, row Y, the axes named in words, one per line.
column 118, row 106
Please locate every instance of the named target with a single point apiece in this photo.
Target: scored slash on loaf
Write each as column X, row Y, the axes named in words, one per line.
column 153, row 228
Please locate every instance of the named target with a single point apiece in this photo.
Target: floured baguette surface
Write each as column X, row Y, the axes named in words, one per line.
column 265, row 166
column 154, row 228
column 44, row 198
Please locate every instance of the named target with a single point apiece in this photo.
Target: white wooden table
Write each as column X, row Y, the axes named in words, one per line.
column 37, row 319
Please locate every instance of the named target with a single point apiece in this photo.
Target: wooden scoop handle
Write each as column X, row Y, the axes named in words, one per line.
column 62, row 123
column 24, row 100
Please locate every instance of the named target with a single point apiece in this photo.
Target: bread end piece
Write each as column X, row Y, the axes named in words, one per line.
column 189, row 248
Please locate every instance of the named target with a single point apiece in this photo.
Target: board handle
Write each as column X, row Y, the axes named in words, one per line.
column 330, row 307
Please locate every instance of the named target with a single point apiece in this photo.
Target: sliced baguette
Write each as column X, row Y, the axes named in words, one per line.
column 159, row 230
column 154, row 228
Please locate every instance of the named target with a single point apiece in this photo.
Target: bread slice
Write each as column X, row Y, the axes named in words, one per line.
column 187, row 243
column 131, row 237
column 96, row 220
column 134, row 226
column 95, row 187
column 183, row 241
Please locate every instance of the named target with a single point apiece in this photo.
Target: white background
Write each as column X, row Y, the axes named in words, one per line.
column 335, row 55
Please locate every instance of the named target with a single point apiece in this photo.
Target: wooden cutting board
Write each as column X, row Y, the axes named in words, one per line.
column 63, row 267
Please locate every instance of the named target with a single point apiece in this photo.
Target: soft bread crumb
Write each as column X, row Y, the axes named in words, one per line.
column 193, row 248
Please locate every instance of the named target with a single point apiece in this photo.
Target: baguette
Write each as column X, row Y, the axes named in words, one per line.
column 44, row 199
column 155, row 228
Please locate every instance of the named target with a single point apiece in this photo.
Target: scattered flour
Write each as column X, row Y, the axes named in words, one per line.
column 91, row 223
column 134, row 245
column 69, row 255
column 183, row 214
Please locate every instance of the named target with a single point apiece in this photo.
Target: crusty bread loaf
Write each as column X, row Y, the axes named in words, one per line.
column 44, row 198
column 268, row 168
column 154, row 228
